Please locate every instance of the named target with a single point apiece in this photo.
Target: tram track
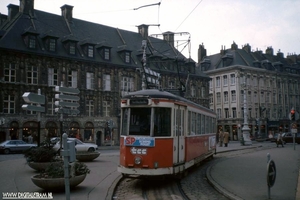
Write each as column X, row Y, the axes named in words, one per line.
column 193, row 186
column 144, row 189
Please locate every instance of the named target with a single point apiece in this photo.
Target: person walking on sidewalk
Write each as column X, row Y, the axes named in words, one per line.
column 221, row 135
column 226, row 138
column 279, row 139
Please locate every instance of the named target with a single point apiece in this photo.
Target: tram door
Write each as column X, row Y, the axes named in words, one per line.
column 178, row 142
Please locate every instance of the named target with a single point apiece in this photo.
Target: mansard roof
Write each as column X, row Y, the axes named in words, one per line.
column 47, row 25
column 255, row 59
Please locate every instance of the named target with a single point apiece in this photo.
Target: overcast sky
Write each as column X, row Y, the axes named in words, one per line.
column 260, row 23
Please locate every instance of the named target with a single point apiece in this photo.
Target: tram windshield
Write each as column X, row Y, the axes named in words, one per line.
column 146, row 121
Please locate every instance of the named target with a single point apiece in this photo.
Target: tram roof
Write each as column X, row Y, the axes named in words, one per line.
column 155, row 93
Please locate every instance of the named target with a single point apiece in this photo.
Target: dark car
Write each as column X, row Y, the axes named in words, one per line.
column 15, row 146
column 288, row 138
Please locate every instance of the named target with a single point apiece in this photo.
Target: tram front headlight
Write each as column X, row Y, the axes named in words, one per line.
column 137, row 160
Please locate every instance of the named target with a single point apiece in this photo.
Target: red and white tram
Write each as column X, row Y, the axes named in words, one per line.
column 163, row 134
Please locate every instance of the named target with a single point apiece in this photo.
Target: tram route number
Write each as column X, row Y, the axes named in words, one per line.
column 137, row 151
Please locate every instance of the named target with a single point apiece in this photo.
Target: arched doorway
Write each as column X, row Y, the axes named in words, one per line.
column 89, row 132
column 30, row 129
column 74, row 129
column 14, row 130
column 51, row 129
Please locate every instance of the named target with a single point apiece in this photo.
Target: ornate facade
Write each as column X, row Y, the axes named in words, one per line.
column 271, row 83
column 40, row 50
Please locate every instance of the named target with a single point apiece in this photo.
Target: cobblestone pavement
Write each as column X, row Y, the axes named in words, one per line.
column 196, row 186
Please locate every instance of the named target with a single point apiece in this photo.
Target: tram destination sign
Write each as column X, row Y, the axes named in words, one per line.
column 139, row 101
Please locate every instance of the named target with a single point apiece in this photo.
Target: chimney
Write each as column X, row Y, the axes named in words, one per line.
column 27, row 6
column 169, row 37
column 66, row 12
column 269, row 51
column 143, row 30
column 201, row 52
column 13, row 10
column 247, row 48
column 3, row 18
column 234, row 46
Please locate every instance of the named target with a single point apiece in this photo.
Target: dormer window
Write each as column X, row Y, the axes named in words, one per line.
column 32, row 42
column 70, row 44
column 30, row 38
column 90, row 51
column 106, row 54
column 52, row 45
column 127, row 57
column 72, row 48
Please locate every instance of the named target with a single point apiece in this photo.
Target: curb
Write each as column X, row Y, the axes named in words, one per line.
column 219, row 188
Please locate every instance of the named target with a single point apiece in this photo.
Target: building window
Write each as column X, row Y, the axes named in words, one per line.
column 249, row 100
column 51, row 106
column 226, row 113
column 225, row 81
column 193, row 91
column 211, row 99
column 10, row 73
column 89, row 81
column 262, row 97
column 171, row 85
column 203, row 92
column 218, row 98
column 232, row 79
column 127, row 84
column 127, row 57
column 72, row 79
column 32, row 75
column 52, row 44
column 226, row 97
column 274, row 98
column 9, row 104
column 32, row 42
column 233, row 112
column 72, row 48
column 218, row 81
column 268, row 97
column 219, row 113
column 52, row 77
column 106, row 109
column 106, row 82
column 89, row 108
column 233, row 96
column 90, row 50
column 106, row 55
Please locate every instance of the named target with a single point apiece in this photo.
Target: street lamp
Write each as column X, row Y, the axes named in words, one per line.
column 246, row 129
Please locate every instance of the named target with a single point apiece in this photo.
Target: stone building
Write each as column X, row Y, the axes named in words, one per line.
column 40, row 50
column 271, row 83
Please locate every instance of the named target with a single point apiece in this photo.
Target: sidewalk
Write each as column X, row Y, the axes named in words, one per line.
column 245, row 176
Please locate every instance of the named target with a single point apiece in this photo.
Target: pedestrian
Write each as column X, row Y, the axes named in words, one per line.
column 226, row 138
column 279, row 139
column 221, row 138
column 30, row 139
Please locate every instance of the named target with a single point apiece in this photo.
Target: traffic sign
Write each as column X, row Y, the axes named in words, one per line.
column 66, row 104
column 33, row 108
column 67, row 111
column 271, row 173
column 67, row 97
column 68, row 90
column 30, row 97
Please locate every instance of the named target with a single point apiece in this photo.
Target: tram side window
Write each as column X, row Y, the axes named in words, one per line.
column 162, row 122
column 140, row 121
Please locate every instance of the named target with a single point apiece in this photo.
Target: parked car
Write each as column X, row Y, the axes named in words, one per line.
column 79, row 146
column 288, row 138
column 15, row 146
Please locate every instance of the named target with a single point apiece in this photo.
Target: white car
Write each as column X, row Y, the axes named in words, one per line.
column 79, row 146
